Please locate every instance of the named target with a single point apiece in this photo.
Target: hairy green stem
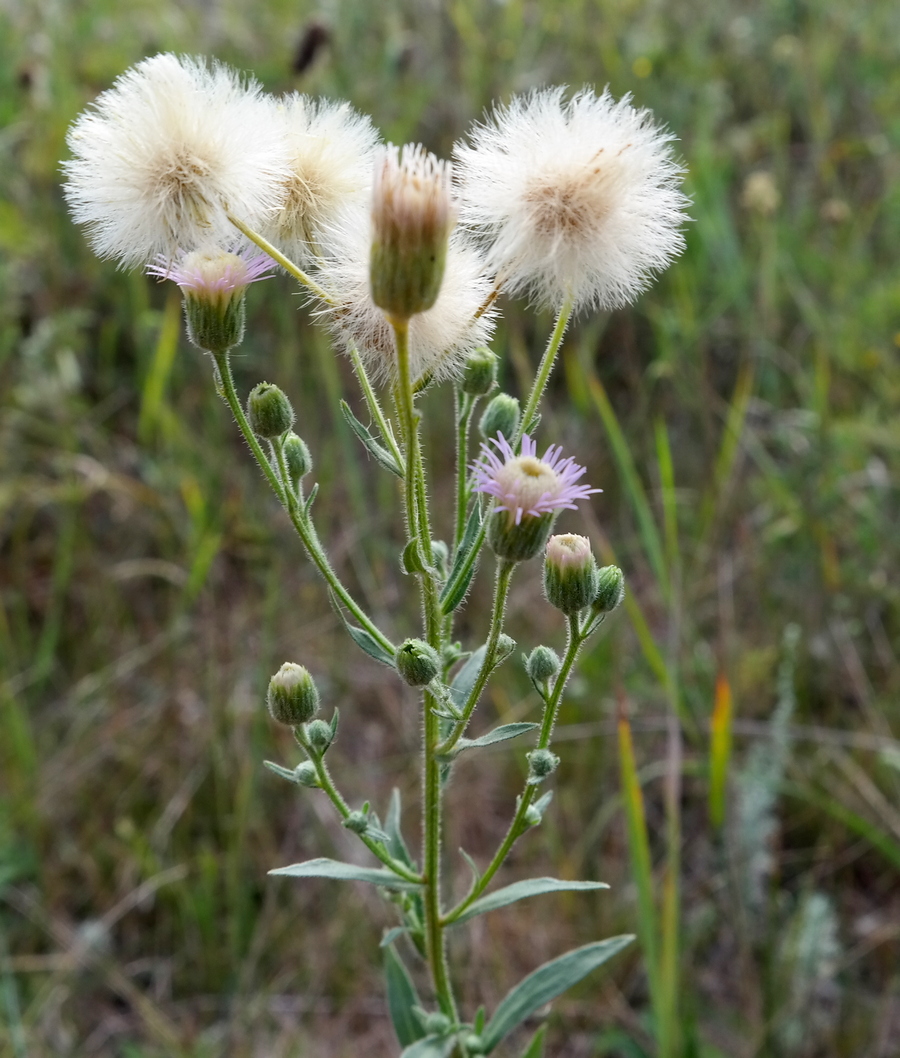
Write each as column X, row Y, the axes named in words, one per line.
column 518, row 824
column 375, row 847
column 278, row 257
column 302, row 523
column 505, row 570
column 373, row 404
column 543, row 374
column 418, row 521
column 464, row 408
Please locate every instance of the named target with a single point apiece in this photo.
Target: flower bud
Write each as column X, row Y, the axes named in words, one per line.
column 306, row 775
column 533, row 815
column 412, row 217
column 571, row 577
column 520, row 541
column 292, row 697
column 480, row 373
column 474, row 1043
column 297, row 459
column 269, row 411
column 437, row 1024
column 610, row 590
column 417, row 662
column 318, row 735
column 502, row 415
column 358, row 822
column 542, row 664
column 541, row 763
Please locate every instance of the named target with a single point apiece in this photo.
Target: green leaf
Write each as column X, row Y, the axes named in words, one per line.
column 381, row 454
column 397, row 846
column 402, row 997
column 510, row 894
column 430, row 1047
column 392, row 935
column 464, row 680
column 499, row 734
column 535, row 1049
column 362, row 638
column 546, row 983
column 464, row 564
column 285, row 773
column 344, row 872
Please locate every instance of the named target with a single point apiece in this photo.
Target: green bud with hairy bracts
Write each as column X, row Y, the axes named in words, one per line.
column 474, row 1043
column 412, row 216
column 358, row 822
column 319, row 735
column 437, row 1024
column 571, row 577
column 541, row 763
column 610, row 590
column 522, row 541
column 297, row 459
column 502, row 415
column 417, row 662
column 269, row 412
column 306, row 775
column 292, row 697
column 542, row 664
column 480, row 373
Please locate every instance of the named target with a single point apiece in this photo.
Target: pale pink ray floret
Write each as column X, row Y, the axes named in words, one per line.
column 524, row 485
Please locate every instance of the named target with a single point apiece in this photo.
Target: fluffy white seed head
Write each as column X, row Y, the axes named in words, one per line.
column 330, row 150
column 162, row 157
column 440, row 338
column 574, row 200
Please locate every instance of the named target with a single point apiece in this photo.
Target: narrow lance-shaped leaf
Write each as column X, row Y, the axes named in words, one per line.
column 430, row 1047
column 396, row 846
column 345, row 872
column 546, row 983
column 510, row 894
column 384, row 457
column 535, row 1049
column 402, row 997
column 362, row 638
column 499, row 734
column 464, row 680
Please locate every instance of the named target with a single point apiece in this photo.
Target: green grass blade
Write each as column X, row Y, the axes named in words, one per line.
column 634, row 488
column 157, row 378
column 720, row 750
column 639, row 853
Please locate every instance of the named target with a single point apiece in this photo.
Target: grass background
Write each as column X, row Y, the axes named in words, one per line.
column 743, row 422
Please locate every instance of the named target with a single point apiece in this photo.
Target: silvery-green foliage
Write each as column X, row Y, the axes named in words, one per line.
column 806, row 977
column 758, row 785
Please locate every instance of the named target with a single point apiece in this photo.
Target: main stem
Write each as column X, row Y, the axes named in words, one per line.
column 418, row 520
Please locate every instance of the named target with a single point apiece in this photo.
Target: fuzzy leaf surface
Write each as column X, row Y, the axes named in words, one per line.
column 510, row 894
column 499, row 734
column 402, row 997
column 546, row 983
column 345, row 872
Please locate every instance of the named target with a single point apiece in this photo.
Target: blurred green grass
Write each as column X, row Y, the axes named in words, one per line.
column 149, row 586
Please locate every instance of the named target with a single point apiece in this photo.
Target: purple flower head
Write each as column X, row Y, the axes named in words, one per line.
column 524, row 485
column 214, row 274
column 213, row 282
